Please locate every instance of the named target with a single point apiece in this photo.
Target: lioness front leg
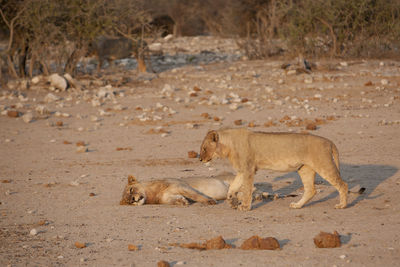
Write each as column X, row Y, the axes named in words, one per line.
column 233, row 191
column 240, row 192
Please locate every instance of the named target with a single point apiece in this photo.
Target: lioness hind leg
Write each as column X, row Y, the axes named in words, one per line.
column 307, row 176
column 332, row 175
column 177, row 200
column 196, row 196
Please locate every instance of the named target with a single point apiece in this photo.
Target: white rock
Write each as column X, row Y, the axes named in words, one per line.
column 74, row 183
column 318, row 96
column 342, row 256
column 36, row 79
column 33, row 232
column 155, row 47
column 168, row 37
column 233, row 106
column 384, row 82
column 28, row 117
column 309, row 80
column 51, row 98
column 96, row 103
column 119, row 108
column 344, row 64
column 94, row 118
column 42, row 110
column 58, row 82
column 269, row 89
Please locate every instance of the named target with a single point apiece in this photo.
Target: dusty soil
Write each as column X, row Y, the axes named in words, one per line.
column 54, row 193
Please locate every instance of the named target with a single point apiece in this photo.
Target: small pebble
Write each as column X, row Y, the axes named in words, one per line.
column 33, row 232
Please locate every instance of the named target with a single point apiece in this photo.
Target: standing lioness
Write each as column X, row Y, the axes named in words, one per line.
column 248, row 151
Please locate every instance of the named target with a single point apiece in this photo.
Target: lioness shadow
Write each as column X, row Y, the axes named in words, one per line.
column 357, row 176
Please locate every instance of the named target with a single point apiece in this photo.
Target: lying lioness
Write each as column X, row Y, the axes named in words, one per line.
column 248, row 151
column 176, row 191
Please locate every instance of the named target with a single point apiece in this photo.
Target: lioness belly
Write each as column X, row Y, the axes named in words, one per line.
column 281, row 166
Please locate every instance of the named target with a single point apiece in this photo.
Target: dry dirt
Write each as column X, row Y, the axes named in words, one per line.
column 54, row 193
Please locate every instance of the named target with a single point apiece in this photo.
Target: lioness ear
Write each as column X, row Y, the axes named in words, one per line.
column 214, row 136
column 131, row 179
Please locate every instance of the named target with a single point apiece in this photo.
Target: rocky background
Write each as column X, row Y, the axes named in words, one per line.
column 69, row 144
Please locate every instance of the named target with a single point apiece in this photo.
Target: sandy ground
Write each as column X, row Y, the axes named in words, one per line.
column 146, row 128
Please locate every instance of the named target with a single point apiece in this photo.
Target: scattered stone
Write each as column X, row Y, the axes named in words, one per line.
column 72, row 82
column 33, row 232
column 74, row 183
column 252, row 124
column 311, row 126
column 59, row 123
column 327, row 240
column 13, row 113
column 36, row 79
column 205, row 115
column 369, row 83
column 309, row 80
column 65, row 142
column 82, row 149
column 216, row 243
column 384, row 82
column 51, row 98
column 132, row 247
column 163, row 264
column 192, row 154
column 42, row 110
column 80, row 245
column 123, row 149
column 80, row 143
column 168, row 38
column 156, row 47
column 238, row 122
column 92, row 194
column 58, row 81
column 256, row 242
column 43, row 223
column 5, row 181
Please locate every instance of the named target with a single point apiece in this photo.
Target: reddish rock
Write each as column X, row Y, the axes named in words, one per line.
column 256, row 242
column 327, row 240
column 163, row 264
column 192, row 154
column 217, row 243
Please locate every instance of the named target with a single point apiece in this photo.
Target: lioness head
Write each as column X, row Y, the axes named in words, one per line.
column 133, row 193
column 208, row 148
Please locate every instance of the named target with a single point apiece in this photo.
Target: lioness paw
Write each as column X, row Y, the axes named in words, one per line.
column 295, row 205
column 340, row 206
column 233, row 202
column 211, row 202
column 244, row 207
column 181, row 202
